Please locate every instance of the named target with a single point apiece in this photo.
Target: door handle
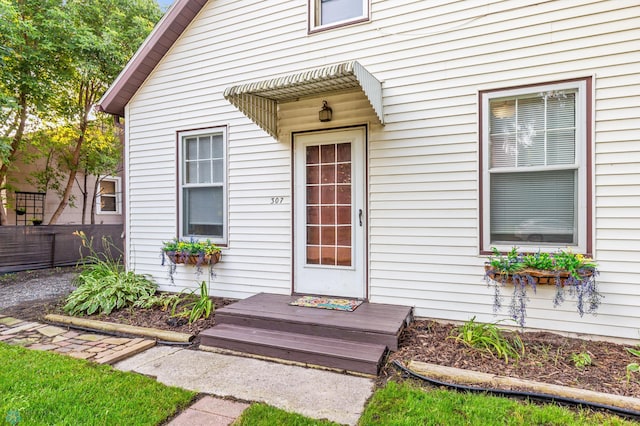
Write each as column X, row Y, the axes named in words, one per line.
column 360, row 216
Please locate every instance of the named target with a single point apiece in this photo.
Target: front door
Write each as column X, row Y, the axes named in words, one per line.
column 329, row 213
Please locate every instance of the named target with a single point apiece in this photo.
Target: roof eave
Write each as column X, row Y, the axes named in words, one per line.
column 150, row 53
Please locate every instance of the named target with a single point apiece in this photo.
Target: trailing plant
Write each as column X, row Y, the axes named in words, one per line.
column 581, row 360
column 571, row 273
column 195, row 252
column 103, row 283
column 490, row 338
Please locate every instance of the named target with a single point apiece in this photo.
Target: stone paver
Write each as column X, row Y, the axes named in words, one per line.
column 20, row 327
column 9, row 321
column 90, row 337
column 93, row 346
column 210, row 411
column 51, row 330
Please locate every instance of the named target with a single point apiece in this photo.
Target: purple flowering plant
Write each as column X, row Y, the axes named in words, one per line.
column 569, row 272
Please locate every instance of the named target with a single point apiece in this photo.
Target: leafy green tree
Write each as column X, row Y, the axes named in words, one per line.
column 106, row 36
column 35, row 56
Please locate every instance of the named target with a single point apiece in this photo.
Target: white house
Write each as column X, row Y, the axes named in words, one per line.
column 456, row 126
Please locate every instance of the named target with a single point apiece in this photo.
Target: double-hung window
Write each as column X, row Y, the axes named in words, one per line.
column 535, row 165
column 202, row 194
column 108, row 196
column 330, row 13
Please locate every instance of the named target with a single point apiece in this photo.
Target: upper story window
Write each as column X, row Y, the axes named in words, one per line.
column 535, row 167
column 202, row 196
column 332, row 13
column 108, row 196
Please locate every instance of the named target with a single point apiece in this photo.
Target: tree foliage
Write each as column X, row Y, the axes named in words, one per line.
column 57, row 58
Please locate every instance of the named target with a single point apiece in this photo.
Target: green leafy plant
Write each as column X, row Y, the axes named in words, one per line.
column 164, row 301
column 564, row 269
column 191, row 247
column 103, row 284
column 581, row 360
column 200, row 307
column 633, row 367
column 490, row 338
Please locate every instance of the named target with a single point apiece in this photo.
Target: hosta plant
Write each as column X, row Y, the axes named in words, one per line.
column 571, row 273
column 103, row 283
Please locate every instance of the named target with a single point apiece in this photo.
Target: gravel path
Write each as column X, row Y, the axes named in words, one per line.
column 38, row 288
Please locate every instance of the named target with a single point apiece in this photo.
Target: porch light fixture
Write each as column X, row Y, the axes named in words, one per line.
column 325, row 113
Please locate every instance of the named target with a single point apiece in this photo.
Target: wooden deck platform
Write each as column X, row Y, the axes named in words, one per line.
column 266, row 325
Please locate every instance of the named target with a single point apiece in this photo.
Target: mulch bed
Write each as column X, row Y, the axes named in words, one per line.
column 548, row 356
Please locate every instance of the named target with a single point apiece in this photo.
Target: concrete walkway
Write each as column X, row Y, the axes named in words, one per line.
column 310, row 392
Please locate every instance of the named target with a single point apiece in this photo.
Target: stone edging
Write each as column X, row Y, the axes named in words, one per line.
column 166, row 335
column 457, row 375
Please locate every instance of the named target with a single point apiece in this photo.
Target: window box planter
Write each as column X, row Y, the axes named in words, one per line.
column 533, row 276
column 193, row 259
column 570, row 273
column 191, row 252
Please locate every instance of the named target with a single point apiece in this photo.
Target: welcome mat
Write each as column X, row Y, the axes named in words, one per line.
column 327, row 303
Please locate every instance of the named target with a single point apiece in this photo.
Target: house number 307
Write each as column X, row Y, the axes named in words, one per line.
column 277, row 200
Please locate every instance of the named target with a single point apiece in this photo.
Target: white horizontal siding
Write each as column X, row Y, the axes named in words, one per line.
column 432, row 59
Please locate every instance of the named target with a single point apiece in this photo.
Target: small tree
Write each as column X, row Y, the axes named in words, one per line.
column 106, row 35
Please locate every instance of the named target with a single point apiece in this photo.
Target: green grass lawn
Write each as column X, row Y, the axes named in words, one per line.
column 38, row 388
column 406, row 404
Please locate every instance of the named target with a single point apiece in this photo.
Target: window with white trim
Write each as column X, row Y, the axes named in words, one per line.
column 108, row 196
column 329, row 13
column 202, row 195
column 534, row 167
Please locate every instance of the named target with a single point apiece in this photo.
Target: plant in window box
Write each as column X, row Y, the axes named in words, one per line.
column 569, row 272
column 21, row 211
column 36, row 221
column 191, row 252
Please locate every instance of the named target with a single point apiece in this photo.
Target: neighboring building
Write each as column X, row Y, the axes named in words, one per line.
column 26, row 203
column 456, row 126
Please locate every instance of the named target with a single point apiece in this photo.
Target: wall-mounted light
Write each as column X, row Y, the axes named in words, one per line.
column 325, row 113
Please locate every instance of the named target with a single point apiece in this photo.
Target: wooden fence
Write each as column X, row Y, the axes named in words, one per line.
column 38, row 247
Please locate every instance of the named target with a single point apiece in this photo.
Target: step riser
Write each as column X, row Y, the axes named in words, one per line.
column 391, row 341
column 311, row 359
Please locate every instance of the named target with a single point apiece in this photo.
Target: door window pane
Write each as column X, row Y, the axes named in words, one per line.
column 328, row 204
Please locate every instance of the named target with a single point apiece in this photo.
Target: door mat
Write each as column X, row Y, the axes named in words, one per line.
column 327, row 303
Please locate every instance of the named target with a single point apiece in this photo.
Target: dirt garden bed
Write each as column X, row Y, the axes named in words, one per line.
column 548, row 357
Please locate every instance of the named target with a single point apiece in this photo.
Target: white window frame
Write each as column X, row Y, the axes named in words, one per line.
column 182, row 135
column 117, row 195
column 581, row 164
column 314, row 16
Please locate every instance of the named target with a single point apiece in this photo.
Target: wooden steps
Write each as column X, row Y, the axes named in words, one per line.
column 305, row 349
column 266, row 325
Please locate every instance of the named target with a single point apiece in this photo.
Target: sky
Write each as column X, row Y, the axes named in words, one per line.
column 164, row 4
